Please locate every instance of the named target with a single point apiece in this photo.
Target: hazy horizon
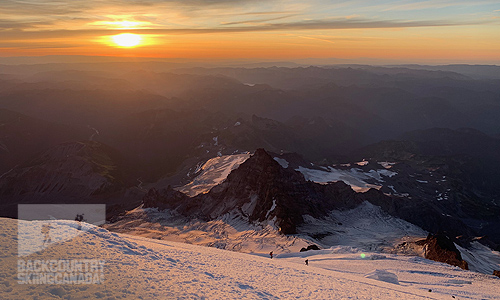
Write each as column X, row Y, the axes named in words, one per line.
column 366, row 32
column 240, row 62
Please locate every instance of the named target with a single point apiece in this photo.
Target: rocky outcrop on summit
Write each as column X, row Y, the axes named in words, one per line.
column 440, row 248
column 261, row 190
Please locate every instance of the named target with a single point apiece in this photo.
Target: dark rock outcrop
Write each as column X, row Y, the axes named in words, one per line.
column 496, row 273
column 156, row 198
column 441, row 248
column 310, row 247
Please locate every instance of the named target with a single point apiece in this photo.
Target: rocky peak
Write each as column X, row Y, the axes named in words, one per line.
column 262, row 168
column 262, row 191
column 439, row 247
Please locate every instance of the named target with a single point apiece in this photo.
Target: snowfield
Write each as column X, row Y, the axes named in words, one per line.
column 213, row 172
column 354, row 177
column 230, row 232
column 142, row 268
column 366, row 227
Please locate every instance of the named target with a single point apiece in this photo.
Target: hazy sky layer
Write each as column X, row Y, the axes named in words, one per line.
column 413, row 31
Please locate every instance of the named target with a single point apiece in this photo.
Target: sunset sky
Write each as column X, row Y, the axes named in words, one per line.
column 412, row 31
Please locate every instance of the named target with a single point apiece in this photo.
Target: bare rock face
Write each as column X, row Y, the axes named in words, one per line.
column 310, row 247
column 440, row 248
column 164, row 199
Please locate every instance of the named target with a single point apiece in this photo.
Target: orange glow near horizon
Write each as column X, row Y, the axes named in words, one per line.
column 403, row 45
column 366, row 30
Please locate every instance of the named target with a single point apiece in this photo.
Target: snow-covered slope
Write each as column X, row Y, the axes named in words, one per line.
column 213, row 172
column 141, row 268
column 230, row 232
column 366, row 227
column 354, row 177
column 480, row 258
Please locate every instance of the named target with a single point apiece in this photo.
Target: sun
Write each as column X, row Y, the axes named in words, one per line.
column 127, row 39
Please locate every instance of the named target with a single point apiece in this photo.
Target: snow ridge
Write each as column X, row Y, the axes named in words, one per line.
column 213, row 172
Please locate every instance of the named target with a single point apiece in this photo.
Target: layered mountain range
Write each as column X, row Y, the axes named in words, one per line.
column 280, row 147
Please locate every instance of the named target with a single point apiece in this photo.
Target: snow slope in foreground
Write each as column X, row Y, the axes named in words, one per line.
column 141, row 268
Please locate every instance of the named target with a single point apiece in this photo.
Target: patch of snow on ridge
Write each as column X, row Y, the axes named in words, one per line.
column 386, row 173
column 283, row 162
column 272, row 208
column 354, row 177
column 213, row 172
column 363, row 163
column 386, row 164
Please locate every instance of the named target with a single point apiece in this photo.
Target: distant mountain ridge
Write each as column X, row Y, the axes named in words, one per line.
column 73, row 172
